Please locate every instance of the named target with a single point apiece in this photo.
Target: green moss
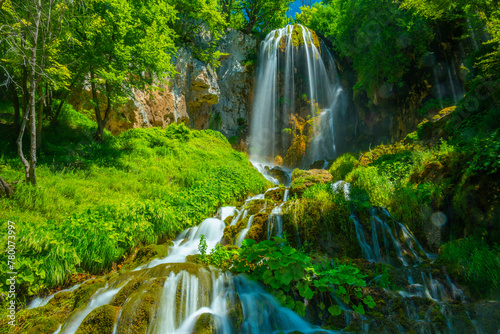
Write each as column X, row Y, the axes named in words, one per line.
column 321, row 227
column 258, row 231
column 302, row 180
column 231, row 231
column 235, row 312
column 83, row 293
column 101, row 320
column 149, row 252
column 342, row 166
column 45, row 326
column 140, row 309
column 127, row 290
column 205, row 324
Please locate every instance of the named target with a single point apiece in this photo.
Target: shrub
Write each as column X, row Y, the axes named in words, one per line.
column 378, row 186
column 473, row 260
column 320, row 191
column 342, row 166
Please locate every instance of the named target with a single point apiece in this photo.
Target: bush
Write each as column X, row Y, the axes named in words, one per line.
column 321, row 192
column 342, row 166
column 474, row 261
column 378, row 186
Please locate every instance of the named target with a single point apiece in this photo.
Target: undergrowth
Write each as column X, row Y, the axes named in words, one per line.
column 95, row 202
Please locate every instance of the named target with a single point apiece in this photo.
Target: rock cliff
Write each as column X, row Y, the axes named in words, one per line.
column 198, row 95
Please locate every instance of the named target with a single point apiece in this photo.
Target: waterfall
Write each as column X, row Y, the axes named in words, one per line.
column 297, row 99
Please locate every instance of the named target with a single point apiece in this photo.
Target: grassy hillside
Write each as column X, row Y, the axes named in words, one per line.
column 95, row 202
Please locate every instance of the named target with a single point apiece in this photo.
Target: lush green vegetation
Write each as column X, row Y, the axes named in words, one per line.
column 385, row 40
column 474, row 263
column 380, row 39
column 96, row 202
column 290, row 273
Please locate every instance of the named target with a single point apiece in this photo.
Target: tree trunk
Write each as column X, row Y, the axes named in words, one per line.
column 17, row 111
column 5, row 189
column 29, row 113
column 32, row 103
column 100, row 130
column 19, row 143
column 49, row 111
column 39, row 117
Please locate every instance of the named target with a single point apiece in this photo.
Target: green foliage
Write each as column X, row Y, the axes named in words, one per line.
column 475, row 262
column 396, row 167
column 262, row 15
column 221, row 256
column 202, row 247
column 487, row 158
column 96, row 202
column 321, row 192
column 288, row 272
column 342, row 166
column 486, row 12
column 377, row 185
column 379, row 38
column 434, row 104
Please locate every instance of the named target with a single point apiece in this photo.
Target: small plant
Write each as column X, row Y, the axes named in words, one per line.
column 289, row 272
column 202, row 248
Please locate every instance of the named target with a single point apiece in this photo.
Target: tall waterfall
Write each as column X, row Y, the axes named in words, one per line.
column 298, row 99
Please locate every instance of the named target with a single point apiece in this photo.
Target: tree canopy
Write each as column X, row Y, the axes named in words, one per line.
column 380, row 39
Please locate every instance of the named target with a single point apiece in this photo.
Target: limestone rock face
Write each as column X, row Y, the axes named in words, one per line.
column 185, row 98
column 235, row 80
column 198, row 95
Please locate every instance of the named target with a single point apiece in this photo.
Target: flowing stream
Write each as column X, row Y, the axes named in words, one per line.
column 181, row 295
column 170, row 295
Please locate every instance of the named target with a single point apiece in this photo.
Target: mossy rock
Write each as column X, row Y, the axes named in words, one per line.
column 101, row 320
column 258, row 231
column 149, row 252
column 275, row 195
column 298, row 39
column 231, row 231
column 304, row 179
column 342, row 166
column 140, row 309
column 84, row 292
column 322, row 227
column 256, row 206
column 127, row 290
column 279, row 174
column 235, row 312
column 206, row 324
column 45, row 326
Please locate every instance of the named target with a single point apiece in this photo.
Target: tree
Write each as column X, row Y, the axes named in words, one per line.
column 30, row 30
column 263, row 15
column 485, row 10
column 122, row 45
column 379, row 38
column 199, row 18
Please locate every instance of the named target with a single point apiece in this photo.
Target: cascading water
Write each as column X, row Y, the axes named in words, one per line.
column 170, row 295
column 297, row 100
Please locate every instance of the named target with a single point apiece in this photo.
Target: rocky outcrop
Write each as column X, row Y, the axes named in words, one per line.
column 198, row 95
column 231, row 114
